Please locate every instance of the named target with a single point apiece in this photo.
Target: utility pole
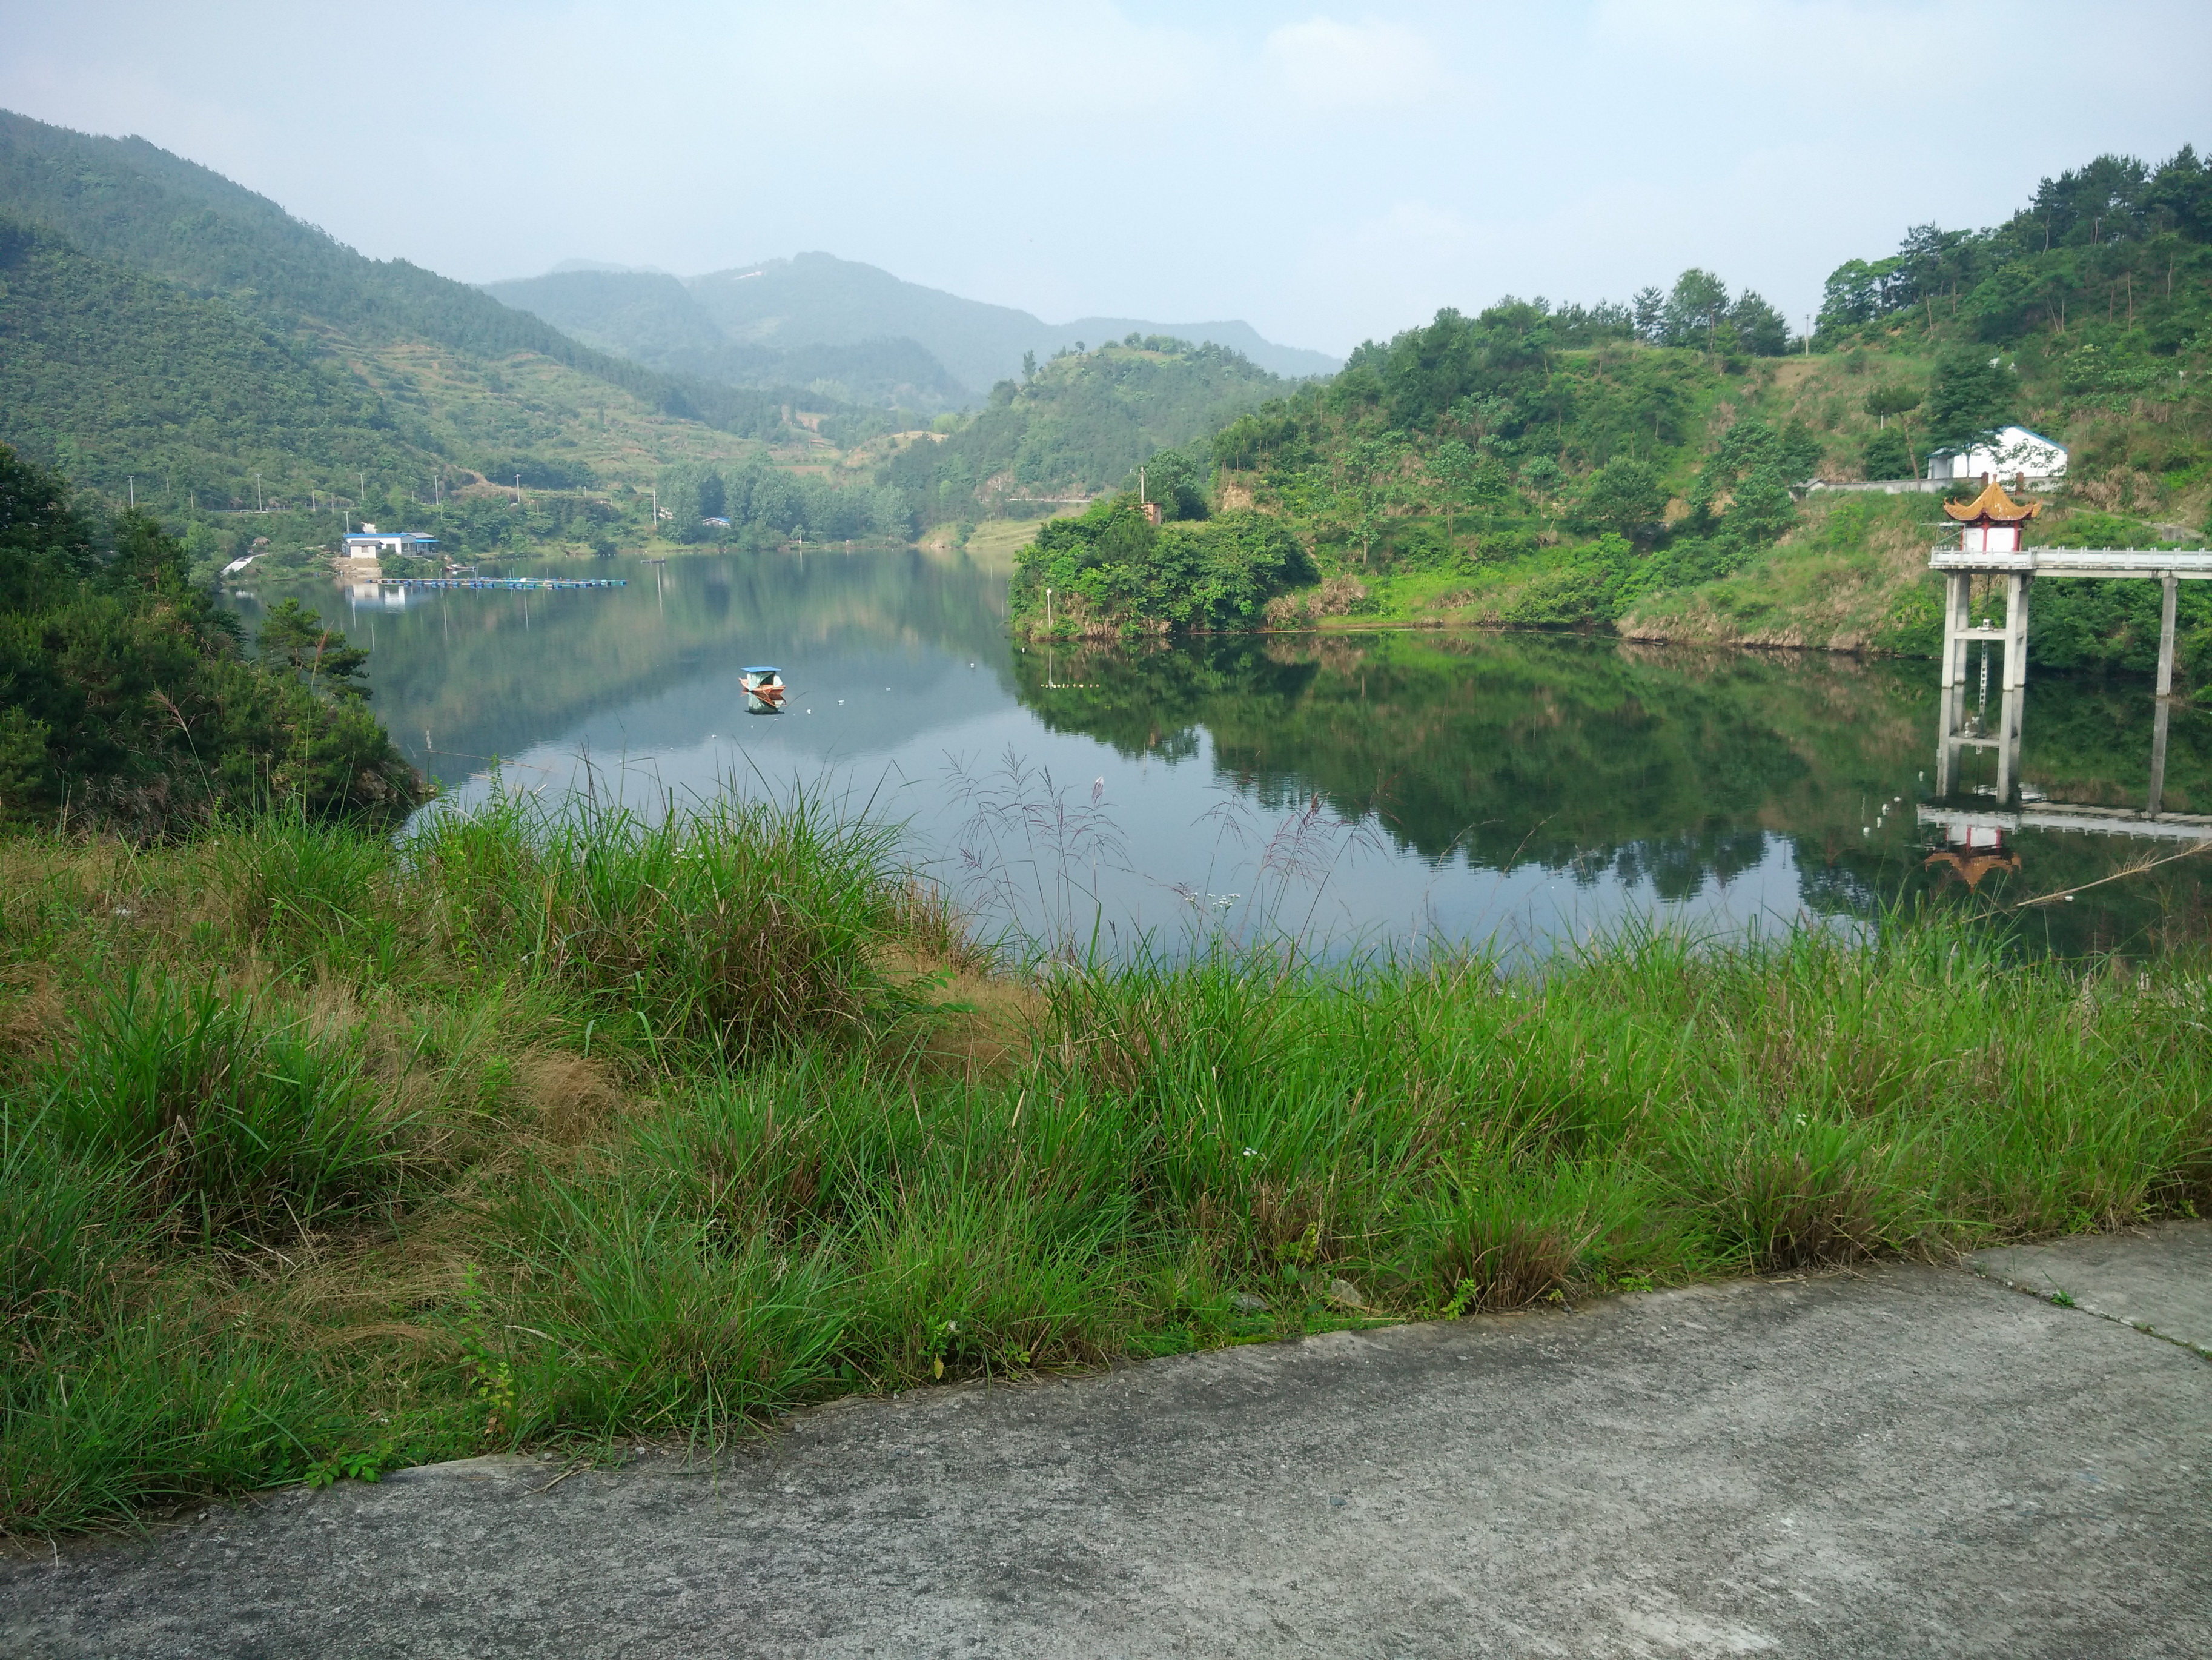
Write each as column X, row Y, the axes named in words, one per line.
column 1809, row 334
column 133, row 483
column 518, row 489
column 259, row 506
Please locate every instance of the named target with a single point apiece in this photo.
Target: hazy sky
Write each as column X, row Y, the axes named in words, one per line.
column 1328, row 174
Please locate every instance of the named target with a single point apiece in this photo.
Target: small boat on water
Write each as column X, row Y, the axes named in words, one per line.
column 764, row 689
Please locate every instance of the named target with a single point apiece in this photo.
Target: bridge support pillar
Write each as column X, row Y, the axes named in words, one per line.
column 2158, row 757
column 2015, row 661
column 2168, row 585
column 1949, row 718
column 1958, row 601
column 2009, row 724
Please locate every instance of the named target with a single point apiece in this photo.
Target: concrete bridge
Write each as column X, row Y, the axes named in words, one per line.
column 2021, row 566
column 1986, row 829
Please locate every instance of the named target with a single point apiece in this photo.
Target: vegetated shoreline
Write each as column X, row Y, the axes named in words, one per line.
column 1850, row 577
column 1447, row 625
column 323, row 1153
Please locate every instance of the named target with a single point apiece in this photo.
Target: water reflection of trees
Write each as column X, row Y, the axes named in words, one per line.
column 1502, row 749
column 1592, row 757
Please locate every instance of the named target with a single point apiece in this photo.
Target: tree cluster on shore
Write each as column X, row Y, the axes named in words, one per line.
column 128, row 701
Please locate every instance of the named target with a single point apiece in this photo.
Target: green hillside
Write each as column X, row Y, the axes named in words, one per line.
column 173, row 339
column 108, row 372
column 786, row 308
column 285, row 354
column 131, row 202
column 1071, row 428
column 1641, row 468
column 143, row 390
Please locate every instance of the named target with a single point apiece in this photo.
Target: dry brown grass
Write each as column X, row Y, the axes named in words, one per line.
column 33, row 1013
column 981, row 1021
column 569, row 1096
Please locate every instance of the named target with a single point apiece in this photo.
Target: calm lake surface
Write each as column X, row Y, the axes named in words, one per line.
column 1358, row 789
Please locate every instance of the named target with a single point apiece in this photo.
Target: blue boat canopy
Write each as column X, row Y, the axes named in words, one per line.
column 761, row 668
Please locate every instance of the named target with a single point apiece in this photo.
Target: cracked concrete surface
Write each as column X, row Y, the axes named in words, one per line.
column 1911, row 1460
column 2158, row 1279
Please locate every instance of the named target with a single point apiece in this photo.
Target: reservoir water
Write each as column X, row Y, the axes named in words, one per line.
column 1518, row 789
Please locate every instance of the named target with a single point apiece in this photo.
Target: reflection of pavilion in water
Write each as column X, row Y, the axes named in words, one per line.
column 1979, row 822
column 1976, row 830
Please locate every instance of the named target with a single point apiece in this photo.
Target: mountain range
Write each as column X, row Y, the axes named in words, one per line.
column 165, row 329
column 850, row 330
column 158, row 320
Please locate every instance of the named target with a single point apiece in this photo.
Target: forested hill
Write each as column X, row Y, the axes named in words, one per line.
column 2117, row 238
column 1081, row 424
column 109, row 373
column 1644, row 465
column 409, row 336
column 657, row 321
column 820, row 297
column 139, row 204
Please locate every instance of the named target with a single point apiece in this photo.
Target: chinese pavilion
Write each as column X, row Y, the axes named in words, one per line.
column 1991, row 522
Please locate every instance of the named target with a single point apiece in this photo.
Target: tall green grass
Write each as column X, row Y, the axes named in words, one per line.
column 747, row 922
column 545, row 1126
column 226, row 1116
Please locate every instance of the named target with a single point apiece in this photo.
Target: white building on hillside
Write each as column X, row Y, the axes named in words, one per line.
column 370, row 543
column 2016, row 453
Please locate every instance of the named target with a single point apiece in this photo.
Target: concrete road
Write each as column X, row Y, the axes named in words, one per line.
column 1911, row 1462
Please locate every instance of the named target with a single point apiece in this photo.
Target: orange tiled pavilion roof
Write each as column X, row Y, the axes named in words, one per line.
column 1994, row 505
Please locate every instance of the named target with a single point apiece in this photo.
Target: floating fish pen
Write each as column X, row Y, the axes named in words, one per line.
column 526, row 584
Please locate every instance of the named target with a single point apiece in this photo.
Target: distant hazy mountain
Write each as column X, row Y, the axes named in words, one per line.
column 818, row 300
column 652, row 318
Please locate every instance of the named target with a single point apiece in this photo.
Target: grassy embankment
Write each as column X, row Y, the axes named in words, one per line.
column 321, row 1154
column 1849, row 577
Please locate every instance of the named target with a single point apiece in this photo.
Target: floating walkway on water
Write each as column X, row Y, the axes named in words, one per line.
column 526, row 584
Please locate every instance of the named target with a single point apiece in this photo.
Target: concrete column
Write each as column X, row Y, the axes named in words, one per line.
column 1948, row 700
column 2015, row 663
column 2008, row 728
column 1957, row 602
column 1950, row 628
column 2158, row 757
column 2168, row 585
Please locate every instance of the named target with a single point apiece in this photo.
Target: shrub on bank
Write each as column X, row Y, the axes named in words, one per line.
column 1112, row 571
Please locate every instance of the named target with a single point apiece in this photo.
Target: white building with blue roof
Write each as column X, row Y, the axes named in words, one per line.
column 370, row 543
